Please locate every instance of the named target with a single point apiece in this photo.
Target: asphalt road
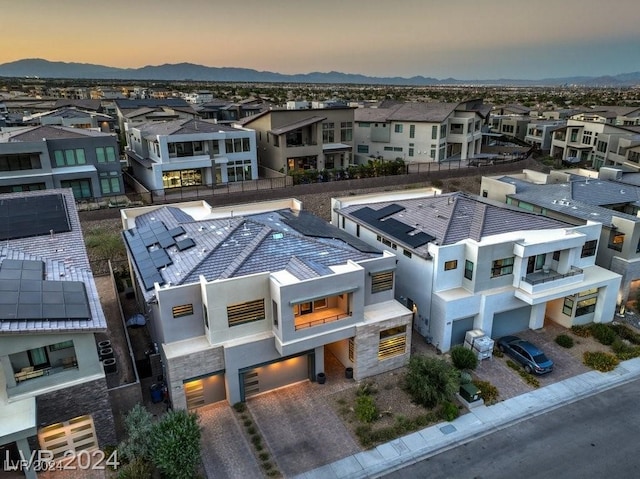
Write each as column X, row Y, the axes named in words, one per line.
column 593, row 438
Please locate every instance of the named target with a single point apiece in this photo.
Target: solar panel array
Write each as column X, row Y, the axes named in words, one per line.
column 148, row 245
column 26, row 295
column 402, row 232
column 26, row 216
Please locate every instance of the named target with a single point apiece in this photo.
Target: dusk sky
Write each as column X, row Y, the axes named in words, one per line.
column 463, row 39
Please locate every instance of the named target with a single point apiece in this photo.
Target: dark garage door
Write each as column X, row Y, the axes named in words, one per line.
column 459, row 329
column 510, row 322
column 275, row 375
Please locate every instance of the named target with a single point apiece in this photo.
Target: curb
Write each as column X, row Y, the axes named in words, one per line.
column 479, row 422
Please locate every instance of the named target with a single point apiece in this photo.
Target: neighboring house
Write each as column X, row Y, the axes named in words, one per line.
column 594, row 138
column 574, row 197
column 224, row 111
column 467, row 263
column 74, row 118
column 53, row 392
column 46, row 157
column 247, row 298
column 419, row 131
column 197, row 97
column 539, row 133
column 310, row 139
column 511, row 126
column 132, row 112
column 180, row 153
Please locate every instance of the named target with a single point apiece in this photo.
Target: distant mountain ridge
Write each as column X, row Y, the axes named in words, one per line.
column 37, row 67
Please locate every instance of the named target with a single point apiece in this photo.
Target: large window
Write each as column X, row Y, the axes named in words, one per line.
column 106, row 154
column 398, row 128
column 239, row 170
column 412, row 131
column 81, row 188
column 393, row 342
column 586, row 306
column 246, row 312
column 69, row 157
column 237, row 145
column 502, row 267
column 589, row 248
column 346, row 131
column 434, row 132
column 381, row 281
column 177, row 179
column 328, row 133
column 363, row 149
column 18, row 162
column 110, row 183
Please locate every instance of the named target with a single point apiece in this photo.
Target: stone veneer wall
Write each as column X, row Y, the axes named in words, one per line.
column 90, row 398
column 193, row 365
column 367, row 340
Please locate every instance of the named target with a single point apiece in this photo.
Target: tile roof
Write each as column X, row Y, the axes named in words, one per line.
column 298, row 124
column 430, row 112
column 239, row 246
column 65, row 259
column 581, row 198
column 182, row 127
column 453, row 217
column 50, row 132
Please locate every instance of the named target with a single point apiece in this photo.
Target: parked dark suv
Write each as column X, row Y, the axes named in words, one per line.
column 529, row 356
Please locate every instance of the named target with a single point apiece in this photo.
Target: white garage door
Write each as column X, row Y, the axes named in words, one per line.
column 76, row 434
column 510, row 322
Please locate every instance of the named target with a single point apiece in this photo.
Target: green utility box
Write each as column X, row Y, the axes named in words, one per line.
column 469, row 392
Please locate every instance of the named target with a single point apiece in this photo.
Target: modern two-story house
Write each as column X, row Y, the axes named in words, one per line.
column 182, row 153
column 248, row 298
column 576, row 197
column 46, row 157
column 420, row 131
column 53, row 392
column 468, row 263
column 308, row 139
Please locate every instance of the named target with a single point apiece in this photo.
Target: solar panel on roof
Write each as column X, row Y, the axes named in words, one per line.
column 26, row 216
column 394, row 228
column 389, row 210
column 185, row 244
column 177, row 231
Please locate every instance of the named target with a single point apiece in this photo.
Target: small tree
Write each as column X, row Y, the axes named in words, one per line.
column 176, row 444
column 463, row 358
column 138, row 423
column 431, row 381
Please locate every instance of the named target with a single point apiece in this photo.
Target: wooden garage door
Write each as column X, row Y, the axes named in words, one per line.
column 511, row 322
column 77, row 434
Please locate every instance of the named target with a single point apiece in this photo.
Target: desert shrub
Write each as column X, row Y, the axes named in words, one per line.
column 137, row 469
column 138, row 424
column 497, row 353
column 625, row 332
column 623, row 350
column 263, row 456
column 581, row 330
column 603, row 333
column 564, row 341
column 488, row 392
column 528, row 378
column 366, row 410
column 251, row 430
column 176, row 444
column 449, row 411
column 600, row 361
column 465, row 377
column 431, row 381
column 240, row 407
column 436, row 183
column 463, row 358
column 366, row 389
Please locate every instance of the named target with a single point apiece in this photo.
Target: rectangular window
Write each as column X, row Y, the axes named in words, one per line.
column 567, row 307
column 443, row 131
column 586, row 306
column 381, row 281
column 412, row 131
column 352, row 350
column 468, row 269
column 246, row 312
column 182, row 310
column 616, row 240
column 363, row 149
column 407, row 253
column 81, row 188
column 346, row 131
column 59, row 156
column 410, row 151
column 589, row 248
column 358, row 231
column 556, row 256
column 101, row 155
column 81, row 160
column 69, row 158
column 502, row 267
column 434, row 132
column 364, row 124
column 62, row 345
column 393, row 342
column 398, row 128
column 328, row 133
column 20, row 161
column 449, row 265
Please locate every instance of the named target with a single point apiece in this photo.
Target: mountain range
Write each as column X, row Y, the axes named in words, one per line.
column 40, row 68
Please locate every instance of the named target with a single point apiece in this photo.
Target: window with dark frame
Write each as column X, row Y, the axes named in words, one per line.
column 449, row 265
column 247, row 312
column 502, row 267
column 589, row 248
column 381, row 281
column 468, row 269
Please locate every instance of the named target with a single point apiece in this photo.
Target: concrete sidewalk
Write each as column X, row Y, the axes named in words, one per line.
column 481, row 421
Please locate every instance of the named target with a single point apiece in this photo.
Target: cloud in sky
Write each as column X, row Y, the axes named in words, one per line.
column 466, row 39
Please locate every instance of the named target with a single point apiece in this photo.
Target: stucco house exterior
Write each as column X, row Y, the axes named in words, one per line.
column 578, row 197
column 46, row 157
column 191, row 152
column 53, row 392
column 419, row 131
column 468, row 263
column 309, row 139
column 247, row 298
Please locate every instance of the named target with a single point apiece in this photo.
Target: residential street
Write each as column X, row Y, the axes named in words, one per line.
column 592, row 438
